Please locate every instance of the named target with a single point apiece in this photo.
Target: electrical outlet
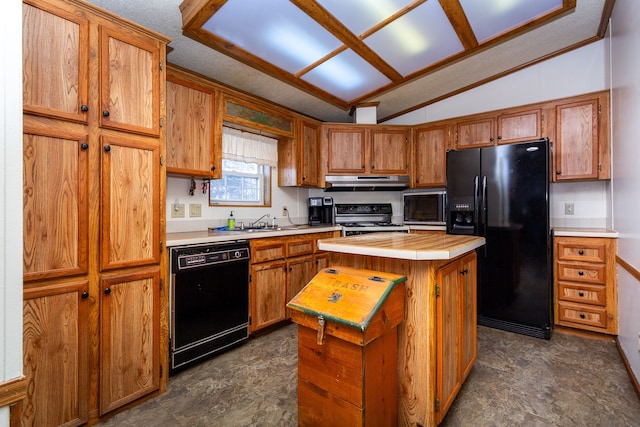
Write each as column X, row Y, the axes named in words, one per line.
column 568, row 208
column 178, row 210
column 195, row 209
column 284, row 211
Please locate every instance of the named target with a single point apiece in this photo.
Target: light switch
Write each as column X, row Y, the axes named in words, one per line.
column 195, row 209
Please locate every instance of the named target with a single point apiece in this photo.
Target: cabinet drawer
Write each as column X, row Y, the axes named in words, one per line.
column 582, row 293
column 300, row 247
column 587, row 273
column 577, row 250
column 262, row 252
column 583, row 314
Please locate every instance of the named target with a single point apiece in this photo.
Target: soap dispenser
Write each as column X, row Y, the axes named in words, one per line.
column 231, row 222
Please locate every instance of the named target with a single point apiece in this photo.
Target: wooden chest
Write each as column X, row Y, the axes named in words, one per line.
column 347, row 347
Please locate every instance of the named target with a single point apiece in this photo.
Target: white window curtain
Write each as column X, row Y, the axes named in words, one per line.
column 249, row 147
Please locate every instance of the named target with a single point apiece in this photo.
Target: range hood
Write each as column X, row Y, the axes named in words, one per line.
column 366, row 183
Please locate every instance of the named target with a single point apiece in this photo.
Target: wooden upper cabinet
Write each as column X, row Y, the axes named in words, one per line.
column 130, row 203
column 346, row 150
column 519, row 126
column 476, row 132
column 582, row 148
column 193, row 146
column 129, row 337
column 129, row 81
column 430, row 148
column 389, row 151
column 55, row 45
column 367, row 149
column 299, row 157
column 55, row 209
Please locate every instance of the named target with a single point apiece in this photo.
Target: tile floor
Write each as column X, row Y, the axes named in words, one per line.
column 516, row 381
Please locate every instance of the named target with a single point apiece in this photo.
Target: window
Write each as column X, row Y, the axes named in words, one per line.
column 247, row 160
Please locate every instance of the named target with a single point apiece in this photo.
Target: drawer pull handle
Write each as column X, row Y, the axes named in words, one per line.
column 582, row 316
column 581, row 273
column 580, row 252
column 581, row 293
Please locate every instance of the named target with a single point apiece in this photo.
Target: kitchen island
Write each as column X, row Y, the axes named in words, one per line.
column 437, row 340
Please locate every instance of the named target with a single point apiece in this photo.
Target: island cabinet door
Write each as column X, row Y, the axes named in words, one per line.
column 455, row 329
column 447, row 338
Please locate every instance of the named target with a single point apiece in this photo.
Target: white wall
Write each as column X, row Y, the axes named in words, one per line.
column 295, row 199
column 625, row 102
column 580, row 71
column 10, row 196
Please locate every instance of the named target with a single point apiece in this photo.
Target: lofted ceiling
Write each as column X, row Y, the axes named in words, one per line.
column 322, row 57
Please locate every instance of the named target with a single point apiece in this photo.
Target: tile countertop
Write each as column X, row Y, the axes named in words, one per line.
column 585, row 232
column 205, row 236
column 422, row 247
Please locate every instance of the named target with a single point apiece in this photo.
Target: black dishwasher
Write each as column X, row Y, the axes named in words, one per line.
column 209, row 300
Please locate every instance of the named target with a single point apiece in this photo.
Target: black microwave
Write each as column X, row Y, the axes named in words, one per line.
column 425, row 207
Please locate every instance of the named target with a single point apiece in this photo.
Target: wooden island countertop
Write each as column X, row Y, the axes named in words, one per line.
column 436, row 346
column 425, row 247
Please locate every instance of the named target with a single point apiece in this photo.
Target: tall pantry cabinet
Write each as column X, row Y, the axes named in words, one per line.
column 94, row 301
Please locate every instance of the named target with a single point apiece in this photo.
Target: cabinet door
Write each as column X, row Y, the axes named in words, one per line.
column 267, row 294
column 430, row 156
column 300, row 271
column 55, row 335
column 448, row 345
column 190, row 135
column 576, row 151
column 389, row 151
column 129, row 337
column 346, row 150
column 321, row 260
column 519, row 126
column 130, row 203
column 129, row 81
column 468, row 344
column 55, row 205
column 310, row 153
column 55, row 52
column 476, row 133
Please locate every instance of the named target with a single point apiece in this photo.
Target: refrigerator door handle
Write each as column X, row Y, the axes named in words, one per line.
column 483, row 201
column 476, row 206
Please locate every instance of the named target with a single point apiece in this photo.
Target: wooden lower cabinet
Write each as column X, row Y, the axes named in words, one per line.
column 267, row 294
column 280, row 268
column 456, row 329
column 129, row 337
column 585, row 294
column 56, row 354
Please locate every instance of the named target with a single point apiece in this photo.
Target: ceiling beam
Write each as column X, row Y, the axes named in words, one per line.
column 342, row 33
column 460, row 23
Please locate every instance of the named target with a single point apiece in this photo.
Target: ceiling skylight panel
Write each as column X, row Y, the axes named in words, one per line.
column 416, row 40
column 489, row 18
column 346, row 76
column 275, row 31
column 360, row 15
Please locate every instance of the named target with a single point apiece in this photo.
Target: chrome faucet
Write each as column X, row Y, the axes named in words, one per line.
column 252, row 224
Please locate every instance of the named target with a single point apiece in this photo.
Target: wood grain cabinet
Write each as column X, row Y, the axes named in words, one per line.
column 280, row 268
column 194, row 129
column 299, row 157
column 456, row 329
column 585, row 294
column 581, row 147
column 365, row 149
column 93, row 212
column 430, row 144
column 506, row 127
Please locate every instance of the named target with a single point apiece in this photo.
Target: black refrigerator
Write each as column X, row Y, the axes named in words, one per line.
column 502, row 193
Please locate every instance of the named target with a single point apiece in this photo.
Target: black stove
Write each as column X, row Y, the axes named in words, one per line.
column 360, row 218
